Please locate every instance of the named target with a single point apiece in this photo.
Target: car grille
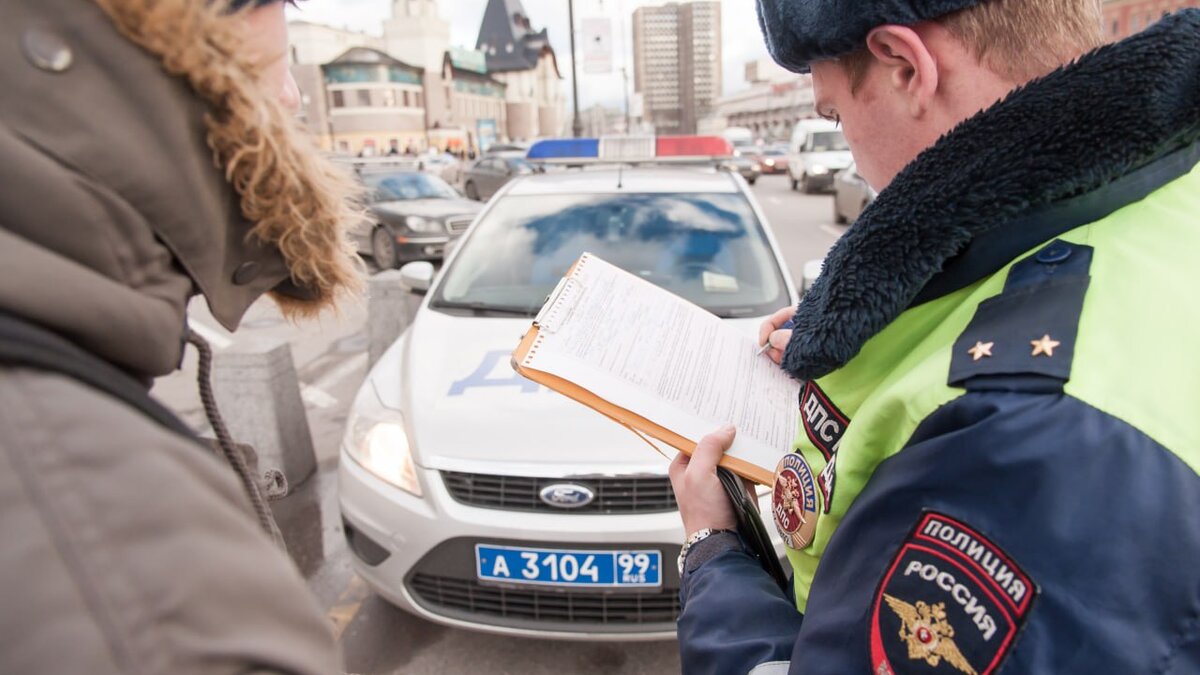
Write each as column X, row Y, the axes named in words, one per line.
column 559, row 607
column 521, row 493
column 458, row 224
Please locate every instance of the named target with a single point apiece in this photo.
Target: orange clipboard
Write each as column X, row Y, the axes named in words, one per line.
column 622, row 416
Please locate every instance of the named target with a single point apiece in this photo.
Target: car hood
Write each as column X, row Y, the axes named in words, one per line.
column 837, row 160
column 427, row 208
column 466, row 409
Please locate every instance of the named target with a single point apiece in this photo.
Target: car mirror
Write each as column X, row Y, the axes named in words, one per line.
column 417, row 275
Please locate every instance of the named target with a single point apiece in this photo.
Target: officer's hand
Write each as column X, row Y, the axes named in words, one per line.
column 702, row 500
column 770, row 331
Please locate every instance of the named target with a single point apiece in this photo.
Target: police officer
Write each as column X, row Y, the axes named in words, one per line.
column 996, row 460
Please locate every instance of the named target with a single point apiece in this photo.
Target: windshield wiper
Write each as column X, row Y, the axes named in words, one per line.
column 481, row 308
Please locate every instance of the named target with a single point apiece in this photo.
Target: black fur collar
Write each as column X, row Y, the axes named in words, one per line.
column 1069, row 134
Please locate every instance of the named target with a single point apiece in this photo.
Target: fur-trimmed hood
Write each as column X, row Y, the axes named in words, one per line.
column 147, row 165
column 1058, row 140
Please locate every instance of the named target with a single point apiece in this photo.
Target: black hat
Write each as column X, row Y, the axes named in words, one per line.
column 799, row 32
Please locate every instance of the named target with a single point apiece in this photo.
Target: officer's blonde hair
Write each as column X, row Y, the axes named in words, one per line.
column 1017, row 39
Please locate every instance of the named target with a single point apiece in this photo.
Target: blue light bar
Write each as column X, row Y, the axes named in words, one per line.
column 565, row 148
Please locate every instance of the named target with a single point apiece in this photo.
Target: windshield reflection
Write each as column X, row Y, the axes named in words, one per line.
column 406, row 186
column 708, row 248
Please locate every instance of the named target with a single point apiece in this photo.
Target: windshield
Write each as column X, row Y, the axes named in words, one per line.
column 828, row 141
column 389, row 187
column 708, row 248
column 520, row 165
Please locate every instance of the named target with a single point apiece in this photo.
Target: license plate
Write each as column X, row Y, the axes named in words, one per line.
column 554, row 567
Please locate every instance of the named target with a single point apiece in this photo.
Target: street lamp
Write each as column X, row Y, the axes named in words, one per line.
column 577, row 124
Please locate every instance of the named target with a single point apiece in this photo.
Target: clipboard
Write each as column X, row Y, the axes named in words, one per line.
column 556, row 310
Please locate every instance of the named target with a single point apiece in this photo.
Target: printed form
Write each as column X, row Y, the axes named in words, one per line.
column 646, row 350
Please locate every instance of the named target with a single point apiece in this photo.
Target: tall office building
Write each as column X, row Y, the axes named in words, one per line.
column 677, row 63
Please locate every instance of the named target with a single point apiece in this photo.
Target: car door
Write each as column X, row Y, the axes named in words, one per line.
column 497, row 176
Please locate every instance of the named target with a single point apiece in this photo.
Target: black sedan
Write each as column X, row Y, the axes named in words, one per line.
column 413, row 215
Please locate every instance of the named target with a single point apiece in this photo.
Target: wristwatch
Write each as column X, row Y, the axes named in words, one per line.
column 697, row 537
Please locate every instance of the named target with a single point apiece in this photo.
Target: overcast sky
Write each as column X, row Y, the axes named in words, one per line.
column 741, row 37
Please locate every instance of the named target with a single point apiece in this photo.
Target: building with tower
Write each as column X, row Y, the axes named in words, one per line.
column 521, row 57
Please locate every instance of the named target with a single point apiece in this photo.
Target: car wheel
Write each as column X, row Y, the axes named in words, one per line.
column 805, row 185
column 752, row 181
column 383, row 249
column 472, row 191
column 795, row 184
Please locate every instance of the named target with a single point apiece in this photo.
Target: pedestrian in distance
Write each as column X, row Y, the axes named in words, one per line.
column 152, row 154
column 996, row 463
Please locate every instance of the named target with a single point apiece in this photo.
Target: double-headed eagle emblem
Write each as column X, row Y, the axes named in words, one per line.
column 928, row 634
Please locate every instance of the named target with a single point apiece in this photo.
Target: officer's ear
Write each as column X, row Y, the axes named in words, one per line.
column 912, row 72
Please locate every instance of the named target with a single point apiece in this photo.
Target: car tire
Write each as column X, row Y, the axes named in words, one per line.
column 471, row 190
column 383, row 249
column 805, row 185
column 752, row 181
column 795, row 184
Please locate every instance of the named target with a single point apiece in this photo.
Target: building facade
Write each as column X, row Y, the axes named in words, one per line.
column 677, row 64
column 314, row 43
column 1123, row 18
column 375, row 103
column 476, row 116
column 524, row 61
column 770, row 107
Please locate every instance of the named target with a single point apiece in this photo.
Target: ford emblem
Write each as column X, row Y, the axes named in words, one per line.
column 566, row 495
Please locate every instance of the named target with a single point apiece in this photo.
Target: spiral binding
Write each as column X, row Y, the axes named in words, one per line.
column 559, row 308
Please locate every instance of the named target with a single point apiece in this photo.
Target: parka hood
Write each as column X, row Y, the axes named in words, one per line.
column 144, row 163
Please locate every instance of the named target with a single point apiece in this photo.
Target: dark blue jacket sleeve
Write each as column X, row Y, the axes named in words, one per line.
column 734, row 617
column 1016, row 532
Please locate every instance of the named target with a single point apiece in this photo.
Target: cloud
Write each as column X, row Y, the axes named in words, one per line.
column 741, row 41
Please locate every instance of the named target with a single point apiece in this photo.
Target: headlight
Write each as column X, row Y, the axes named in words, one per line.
column 769, row 162
column 377, row 440
column 818, row 170
column 419, row 224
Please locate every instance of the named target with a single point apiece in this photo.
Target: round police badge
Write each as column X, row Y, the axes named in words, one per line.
column 794, row 502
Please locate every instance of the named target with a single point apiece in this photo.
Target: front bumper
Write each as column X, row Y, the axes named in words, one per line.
column 409, row 247
column 821, row 182
column 418, row 553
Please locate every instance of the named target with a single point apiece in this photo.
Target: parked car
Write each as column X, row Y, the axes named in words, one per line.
column 413, row 215
column 746, row 166
column 488, row 175
column 818, row 151
column 851, row 195
column 475, row 498
column 444, row 165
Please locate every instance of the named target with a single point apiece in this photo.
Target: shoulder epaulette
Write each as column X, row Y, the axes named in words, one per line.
column 1029, row 329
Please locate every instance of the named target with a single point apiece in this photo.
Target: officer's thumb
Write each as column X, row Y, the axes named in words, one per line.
column 710, row 448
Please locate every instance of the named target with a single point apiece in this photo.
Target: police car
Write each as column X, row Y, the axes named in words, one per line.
column 475, row 498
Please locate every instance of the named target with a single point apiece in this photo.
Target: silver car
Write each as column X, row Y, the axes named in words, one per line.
column 851, row 195
column 488, row 175
column 475, row 498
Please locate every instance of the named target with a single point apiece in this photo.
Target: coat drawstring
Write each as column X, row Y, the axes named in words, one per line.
column 232, row 455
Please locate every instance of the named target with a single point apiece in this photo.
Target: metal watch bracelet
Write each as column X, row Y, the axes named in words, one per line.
column 697, row 537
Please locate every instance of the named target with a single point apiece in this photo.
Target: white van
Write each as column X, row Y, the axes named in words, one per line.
column 818, row 151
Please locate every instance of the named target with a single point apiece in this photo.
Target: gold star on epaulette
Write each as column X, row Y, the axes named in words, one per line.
column 1044, row 346
column 981, row 350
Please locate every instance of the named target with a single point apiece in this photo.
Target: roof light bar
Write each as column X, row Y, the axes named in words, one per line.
column 630, row 149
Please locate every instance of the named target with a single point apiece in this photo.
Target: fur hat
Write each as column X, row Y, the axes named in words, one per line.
column 799, row 32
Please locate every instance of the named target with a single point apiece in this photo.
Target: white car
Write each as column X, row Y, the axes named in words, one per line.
column 475, row 498
column 816, row 153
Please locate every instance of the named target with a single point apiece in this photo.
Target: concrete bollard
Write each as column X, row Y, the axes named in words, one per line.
column 258, row 392
column 391, row 306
